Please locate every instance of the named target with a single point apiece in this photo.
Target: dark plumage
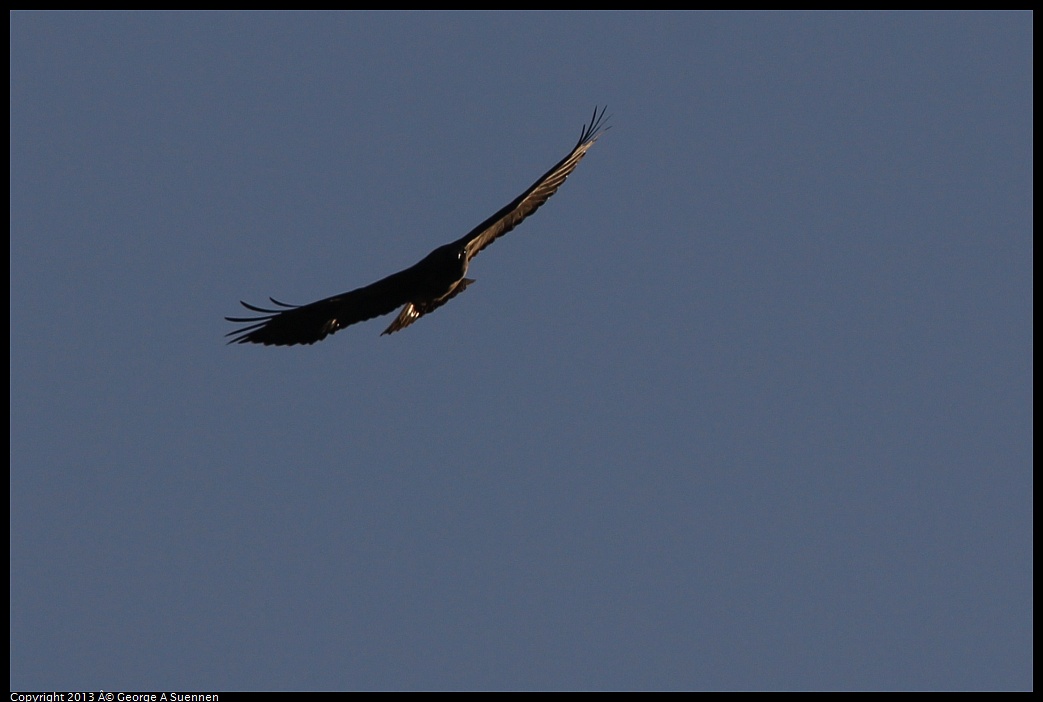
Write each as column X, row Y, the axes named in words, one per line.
column 421, row 288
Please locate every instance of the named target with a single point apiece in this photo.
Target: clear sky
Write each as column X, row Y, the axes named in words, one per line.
column 746, row 405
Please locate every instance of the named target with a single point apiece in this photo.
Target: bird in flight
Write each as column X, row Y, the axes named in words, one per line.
column 419, row 289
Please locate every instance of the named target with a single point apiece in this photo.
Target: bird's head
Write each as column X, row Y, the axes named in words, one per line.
column 447, row 263
column 458, row 254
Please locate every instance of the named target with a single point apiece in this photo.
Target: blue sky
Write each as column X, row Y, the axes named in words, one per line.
column 746, row 405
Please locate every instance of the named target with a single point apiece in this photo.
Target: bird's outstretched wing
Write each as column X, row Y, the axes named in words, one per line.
column 306, row 324
column 538, row 193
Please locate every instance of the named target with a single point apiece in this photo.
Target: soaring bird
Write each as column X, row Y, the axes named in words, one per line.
column 422, row 288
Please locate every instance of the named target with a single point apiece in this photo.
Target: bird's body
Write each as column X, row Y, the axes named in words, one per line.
column 419, row 289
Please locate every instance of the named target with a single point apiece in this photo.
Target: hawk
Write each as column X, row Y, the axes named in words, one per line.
column 418, row 290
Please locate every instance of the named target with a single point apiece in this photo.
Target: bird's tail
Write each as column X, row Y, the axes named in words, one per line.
column 415, row 310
